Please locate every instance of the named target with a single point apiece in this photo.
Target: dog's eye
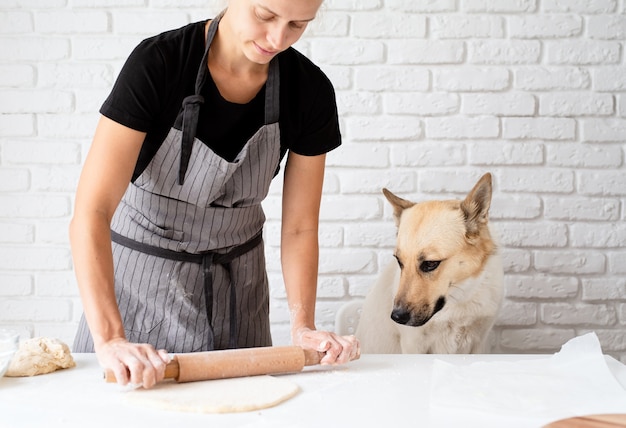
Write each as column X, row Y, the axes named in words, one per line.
column 429, row 265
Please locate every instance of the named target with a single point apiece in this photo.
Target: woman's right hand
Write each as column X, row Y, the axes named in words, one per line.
column 134, row 363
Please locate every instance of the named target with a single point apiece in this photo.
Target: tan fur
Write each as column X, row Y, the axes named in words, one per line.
column 447, row 253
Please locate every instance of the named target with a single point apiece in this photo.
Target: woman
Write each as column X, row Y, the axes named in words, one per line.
column 183, row 155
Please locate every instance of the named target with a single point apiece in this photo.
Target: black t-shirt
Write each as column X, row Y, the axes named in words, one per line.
column 161, row 72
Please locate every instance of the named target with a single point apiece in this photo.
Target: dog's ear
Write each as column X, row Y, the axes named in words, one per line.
column 476, row 205
column 398, row 204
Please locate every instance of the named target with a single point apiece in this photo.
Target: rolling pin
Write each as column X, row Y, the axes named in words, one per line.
column 231, row 363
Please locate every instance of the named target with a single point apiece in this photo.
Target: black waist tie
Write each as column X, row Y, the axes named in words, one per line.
column 207, row 260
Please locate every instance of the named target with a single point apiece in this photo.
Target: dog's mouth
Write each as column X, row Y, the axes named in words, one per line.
column 414, row 318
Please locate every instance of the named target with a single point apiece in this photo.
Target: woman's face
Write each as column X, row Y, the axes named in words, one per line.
column 263, row 28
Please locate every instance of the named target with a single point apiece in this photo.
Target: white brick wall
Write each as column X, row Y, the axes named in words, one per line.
column 431, row 94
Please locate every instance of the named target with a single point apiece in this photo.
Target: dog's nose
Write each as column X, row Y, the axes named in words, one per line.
column 400, row 315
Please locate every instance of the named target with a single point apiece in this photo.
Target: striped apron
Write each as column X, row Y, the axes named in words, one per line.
column 187, row 247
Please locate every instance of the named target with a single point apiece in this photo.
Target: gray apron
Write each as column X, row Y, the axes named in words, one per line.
column 187, row 246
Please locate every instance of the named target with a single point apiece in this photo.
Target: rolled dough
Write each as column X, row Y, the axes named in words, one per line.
column 216, row 396
column 40, row 355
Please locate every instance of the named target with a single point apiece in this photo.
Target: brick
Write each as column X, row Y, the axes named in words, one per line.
column 17, row 75
column 75, row 76
column 35, row 310
column 352, row 5
column 146, row 22
column 33, row 4
column 34, row 206
column 17, row 125
column 544, row 26
column 583, row 155
column 41, row 152
column 581, row 209
column 603, row 130
column 467, row 26
column 89, row 100
column 579, row 6
column 500, row 153
column 15, row 285
column 610, row 79
column 422, row 104
column 364, row 103
column 537, row 180
column 14, row 180
column 507, row 104
column 541, row 287
column 371, row 235
column 504, row 52
column 462, row 127
column 576, row 104
column 35, row 101
column 15, row 22
column 617, row 262
column 470, row 79
column 582, row 52
column 602, row 183
column 499, row 6
column 54, row 178
column 37, row 49
column 602, row 235
column 106, row 3
column 517, row 314
column 603, row 289
column 533, row 339
column 67, row 125
column 53, row 232
column 360, row 155
column 538, row 128
column 383, row 128
column 71, row 22
column 570, row 262
column 346, row 208
column 331, row 287
column 15, row 233
column 520, row 235
column 425, row 52
column 425, row 6
column 428, row 154
column 515, row 206
column 347, row 52
column 621, row 105
column 355, row 261
column 607, row 27
column 390, row 25
column 104, row 48
column 446, row 181
column 56, row 284
column 372, row 181
column 391, row 79
column 515, row 261
column 552, row 78
column 577, row 314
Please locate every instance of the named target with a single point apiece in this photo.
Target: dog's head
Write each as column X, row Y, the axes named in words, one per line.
column 439, row 244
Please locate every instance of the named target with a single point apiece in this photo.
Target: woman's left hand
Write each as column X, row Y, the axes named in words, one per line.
column 337, row 349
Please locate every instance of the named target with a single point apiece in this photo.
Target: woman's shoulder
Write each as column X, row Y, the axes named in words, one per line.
column 298, row 69
column 178, row 41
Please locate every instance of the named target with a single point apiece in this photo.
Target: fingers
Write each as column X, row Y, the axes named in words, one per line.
column 138, row 364
column 337, row 349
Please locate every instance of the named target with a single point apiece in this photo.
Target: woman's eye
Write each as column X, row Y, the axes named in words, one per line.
column 264, row 18
column 296, row 25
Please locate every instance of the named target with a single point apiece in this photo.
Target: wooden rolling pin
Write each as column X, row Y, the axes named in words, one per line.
column 231, row 363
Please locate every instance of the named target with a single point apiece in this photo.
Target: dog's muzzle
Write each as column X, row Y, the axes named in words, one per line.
column 405, row 316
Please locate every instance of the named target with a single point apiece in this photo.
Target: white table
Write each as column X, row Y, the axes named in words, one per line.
column 377, row 390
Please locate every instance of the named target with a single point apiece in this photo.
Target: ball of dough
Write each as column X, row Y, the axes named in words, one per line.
column 40, row 355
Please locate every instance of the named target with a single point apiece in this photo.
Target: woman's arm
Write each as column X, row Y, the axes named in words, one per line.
column 103, row 181
column 302, row 191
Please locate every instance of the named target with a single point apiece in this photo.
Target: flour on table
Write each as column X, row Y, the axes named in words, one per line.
column 242, row 394
column 40, row 355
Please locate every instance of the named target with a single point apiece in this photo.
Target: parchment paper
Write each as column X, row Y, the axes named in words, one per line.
column 575, row 381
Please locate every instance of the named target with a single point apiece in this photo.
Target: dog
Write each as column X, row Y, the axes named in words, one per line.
column 444, row 292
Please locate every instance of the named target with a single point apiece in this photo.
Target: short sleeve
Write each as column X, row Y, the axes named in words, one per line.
column 135, row 100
